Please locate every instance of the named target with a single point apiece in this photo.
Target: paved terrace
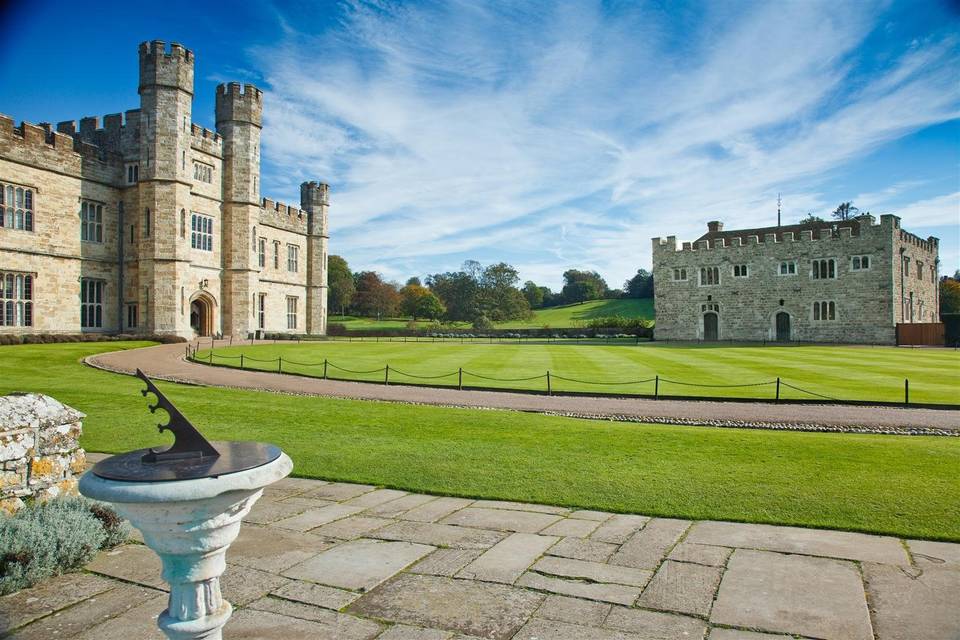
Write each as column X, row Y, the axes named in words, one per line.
column 335, row 561
column 167, row 362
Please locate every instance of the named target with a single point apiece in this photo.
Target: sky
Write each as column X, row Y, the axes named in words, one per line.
column 547, row 135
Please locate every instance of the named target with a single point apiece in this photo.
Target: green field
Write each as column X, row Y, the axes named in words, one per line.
column 841, row 372
column 564, row 317
column 905, row 486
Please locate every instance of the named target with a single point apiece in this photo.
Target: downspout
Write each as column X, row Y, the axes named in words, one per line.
column 120, row 226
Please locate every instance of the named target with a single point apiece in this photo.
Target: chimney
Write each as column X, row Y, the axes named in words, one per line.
column 714, row 226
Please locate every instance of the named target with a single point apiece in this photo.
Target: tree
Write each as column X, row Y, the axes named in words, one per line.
column 498, row 298
column 846, row 210
column 811, row 218
column 640, row 285
column 419, row 302
column 375, row 297
column 340, row 282
column 458, row 292
column 580, row 286
column 533, row 294
column 414, row 280
column 950, row 294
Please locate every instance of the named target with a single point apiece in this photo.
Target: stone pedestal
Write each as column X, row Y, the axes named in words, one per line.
column 190, row 524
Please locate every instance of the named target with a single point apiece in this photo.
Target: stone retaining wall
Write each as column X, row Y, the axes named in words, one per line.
column 40, row 451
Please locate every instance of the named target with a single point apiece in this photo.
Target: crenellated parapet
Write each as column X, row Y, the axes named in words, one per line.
column 119, row 132
column 162, row 67
column 283, row 216
column 206, row 140
column 41, row 146
column 237, row 102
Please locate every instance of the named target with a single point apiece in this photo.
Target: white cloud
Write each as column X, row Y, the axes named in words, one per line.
column 559, row 136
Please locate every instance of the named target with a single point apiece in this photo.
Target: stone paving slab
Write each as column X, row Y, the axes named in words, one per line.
column 502, row 520
column 793, row 594
column 359, row 565
column 397, row 566
column 647, row 547
column 814, row 542
column 27, row 605
column 602, row 592
column 580, row 549
column 508, row 559
column 486, row 610
column 653, row 625
column 912, row 603
column 683, row 588
column 442, row 535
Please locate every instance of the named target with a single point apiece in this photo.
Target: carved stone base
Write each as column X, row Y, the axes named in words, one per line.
column 190, row 524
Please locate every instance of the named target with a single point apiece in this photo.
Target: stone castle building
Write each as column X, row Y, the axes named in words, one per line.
column 153, row 224
column 851, row 281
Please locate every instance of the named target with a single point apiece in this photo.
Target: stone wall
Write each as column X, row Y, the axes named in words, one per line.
column 40, row 453
column 866, row 302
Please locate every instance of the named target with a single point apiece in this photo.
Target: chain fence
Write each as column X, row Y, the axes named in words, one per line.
column 326, row 370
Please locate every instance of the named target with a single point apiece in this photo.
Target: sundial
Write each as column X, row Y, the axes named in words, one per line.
column 191, row 456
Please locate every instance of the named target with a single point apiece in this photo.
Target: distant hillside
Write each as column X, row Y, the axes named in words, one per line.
column 563, row 317
column 574, row 315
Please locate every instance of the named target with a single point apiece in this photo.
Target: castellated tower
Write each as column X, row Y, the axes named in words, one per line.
column 315, row 200
column 239, row 112
column 166, row 95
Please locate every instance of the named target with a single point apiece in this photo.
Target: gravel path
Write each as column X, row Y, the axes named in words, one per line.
column 167, row 363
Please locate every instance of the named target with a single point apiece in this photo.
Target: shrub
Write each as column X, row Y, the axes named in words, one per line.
column 46, row 539
column 482, row 323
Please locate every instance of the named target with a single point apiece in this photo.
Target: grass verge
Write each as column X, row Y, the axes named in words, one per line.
column 904, row 486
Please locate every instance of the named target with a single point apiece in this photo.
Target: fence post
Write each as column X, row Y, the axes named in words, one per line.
column 656, row 388
column 386, row 374
column 549, row 388
column 279, row 364
column 241, row 359
column 460, row 380
column 324, row 368
column 906, row 391
column 211, row 357
column 778, row 388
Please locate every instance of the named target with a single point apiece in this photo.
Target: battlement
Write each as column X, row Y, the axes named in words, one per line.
column 40, row 145
column 206, row 140
column 239, row 103
column 118, row 131
column 166, row 68
column 283, row 216
column 716, row 238
column 930, row 245
column 313, row 194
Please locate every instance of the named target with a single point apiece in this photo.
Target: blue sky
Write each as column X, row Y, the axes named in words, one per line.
column 550, row 135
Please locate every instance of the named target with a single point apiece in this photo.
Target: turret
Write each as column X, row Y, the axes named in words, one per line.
column 239, row 110
column 166, row 104
column 315, row 200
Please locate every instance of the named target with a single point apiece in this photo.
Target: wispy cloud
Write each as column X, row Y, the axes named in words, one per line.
column 562, row 135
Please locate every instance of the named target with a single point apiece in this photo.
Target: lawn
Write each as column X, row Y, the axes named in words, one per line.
column 842, row 372
column 905, row 486
column 563, row 317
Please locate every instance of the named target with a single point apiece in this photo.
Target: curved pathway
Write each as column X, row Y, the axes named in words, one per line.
column 167, row 362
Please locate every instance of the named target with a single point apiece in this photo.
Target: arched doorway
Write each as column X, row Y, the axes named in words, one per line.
column 783, row 326
column 201, row 315
column 711, row 326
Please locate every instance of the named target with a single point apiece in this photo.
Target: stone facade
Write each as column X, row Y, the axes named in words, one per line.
column 149, row 223
column 847, row 282
column 40, row 454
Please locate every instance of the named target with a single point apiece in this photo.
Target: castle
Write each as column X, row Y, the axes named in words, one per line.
column 851, row 281
column 152, row 224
